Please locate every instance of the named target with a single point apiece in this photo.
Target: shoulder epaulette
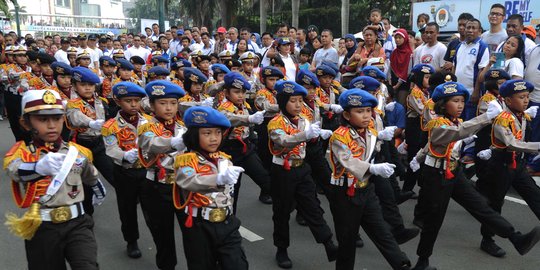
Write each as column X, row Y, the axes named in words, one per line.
column 110, row 127
column 74, row 103
column 504, row 119
column 430, row 104
column 83, row 151
column 417, row 93
column 184, row 160
column 14, row 153
column 185, row 98
column 487, row 98
column 226, row 106
column 341, row 134
column 276, row 123
column 152, row 127
column 527, row 117
column 146, row 116
column 247, row 105
column 225, row 155
column 104, row 100
column 437, row 122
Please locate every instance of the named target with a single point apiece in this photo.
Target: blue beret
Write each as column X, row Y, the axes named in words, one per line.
column 236, row 80
column 496, row 74
column 178, row 62
column 325, row 70
column 203, row 116
column 511, row 87
column 330, row 64
column 220, row 68
column 160, row 59
column 271, row 71
column 158, row 71
column 163, row 89
column 61, row 68
column 374, row 72
column 125, row 64
column 306, row 77
column 193, row 75
column 357, row 98
column 128, row 89
column 450, row 89
column 106, row 61
column 423, row 68
column 83, row 74
column 365, row 83
column 290, row 88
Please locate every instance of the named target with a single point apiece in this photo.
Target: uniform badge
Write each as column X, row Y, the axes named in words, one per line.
column 188, row 171
column 448, row 78
column 250, row 55
column 60, row 70
column 450, row 88
column 158, row 90
column 199, row 117
column 372, row 73
column 495, row 74
column 106, row 62
column 267, row 72
column 238, row 84
column 359, row 84
column 354, row 100
column 425, row 70
column 288, row 88
column 77, row 77
column 228, row 53
column 73, row 194
column 38, row 61
column 152, row 74
column 306, row 80
column 122, row 90
column 49, row 98
column 218, row 70
column 520, row 86
column 320, row 72
column 193, row 78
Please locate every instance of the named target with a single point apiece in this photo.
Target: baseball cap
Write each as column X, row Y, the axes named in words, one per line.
column 222, row 30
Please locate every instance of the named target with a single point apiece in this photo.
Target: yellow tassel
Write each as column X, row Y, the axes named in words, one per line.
column 83, row 151
column 430, row 104
column 487, row 98
column 276, row 123
column 437, row 122
column 187, row 159
column 144, row 128
column 27, row 225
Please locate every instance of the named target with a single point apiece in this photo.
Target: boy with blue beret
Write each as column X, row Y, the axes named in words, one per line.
column 194, row 85
column 177, row 70
column 157, row 73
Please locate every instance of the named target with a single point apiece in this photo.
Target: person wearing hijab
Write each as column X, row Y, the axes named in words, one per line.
column 400, row 61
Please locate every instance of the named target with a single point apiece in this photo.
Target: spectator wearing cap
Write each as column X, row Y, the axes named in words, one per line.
column 61, row 54
column 221, row 42
column 92, row 44
column 496, row 34
column 327, row 52
column 137, row 49
column 289, row 59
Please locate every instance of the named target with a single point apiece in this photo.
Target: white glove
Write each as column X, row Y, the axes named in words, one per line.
column 390, row 106
column 402, row 148
column 208, row 102
column 384, row 170
column 50, row 164
column 536, row 158
column 387, row 133
column 532, row 111
column 484, row 154
column 326, row 133
column 469, row 139
column 99, row 193
column 494, row 109
column 414, row 165
column 132, row 155
column 177, row 142
column 336, row 108
column 96, row 124
column 229, row 176
column 257, row 118
column 313, row 131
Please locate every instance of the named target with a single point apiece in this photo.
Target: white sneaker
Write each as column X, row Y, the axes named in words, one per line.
column 1, row 118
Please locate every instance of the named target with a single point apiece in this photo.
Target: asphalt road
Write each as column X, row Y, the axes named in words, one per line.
column 457, row 246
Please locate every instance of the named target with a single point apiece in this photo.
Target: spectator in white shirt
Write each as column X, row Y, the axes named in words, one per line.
column 61, row 54
column 233, row 39
column 513, row 50
column 196, row 42
column 267, row 43
column 327, row 52
column 155, row 32
column 432, row 52
column 496, row 33
column 514, row 26
column 207, row 47
column 137, row 49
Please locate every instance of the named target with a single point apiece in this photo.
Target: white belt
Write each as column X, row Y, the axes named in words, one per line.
column 208, row 213
column 292, row 162
column 62, row 214
column 435, row 162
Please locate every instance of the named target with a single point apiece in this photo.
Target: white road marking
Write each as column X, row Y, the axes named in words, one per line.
column 249, row 235
column 516, row 200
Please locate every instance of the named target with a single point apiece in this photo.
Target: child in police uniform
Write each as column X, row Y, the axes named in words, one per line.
column 194, row 81
column 507, row 165
column 120, row 137
column 159, row 141
column 443, row 177
column 85, row 116
column 352, row 197
column 205, row 177
column 55, row 228
column 177, row 70
column 107, row 66
column 291, row 177
column 236, row 142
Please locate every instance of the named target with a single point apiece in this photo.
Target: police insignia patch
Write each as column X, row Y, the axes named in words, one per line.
column 60, row 70
column 238, row 84
column 199, row 117
column 520, row 86
column 359, row 84
column 267, row 71
column 319, row 72
column 450, row 88
column 306, row 80
column 188, row 171
column 193, row 78
column 354, row 100
column 288, row 88
column 122, row 90
column 425, row 70
column 49, row 98
column 158, row 90
column 495, row 74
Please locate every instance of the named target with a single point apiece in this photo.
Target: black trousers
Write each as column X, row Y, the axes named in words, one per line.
column 159, row 214
column 54, row 244
column 438, row 191
column 390, row 211
column 129, row 187
column 416, row 139
column 499, row 178
column 104, row 165
column 13, row 108
column 252, row 165
column 290, row 187
column 262, row 144
column 362, row 209
column 320, row 169
column 212, row 246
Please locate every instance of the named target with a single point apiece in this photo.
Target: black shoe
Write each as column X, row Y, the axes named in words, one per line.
column 265, row 198
column 133, row 250
column 404, row 235
column 331, row 250
column 414, row 196
column 525, row 242
column 491, row 248
column 419, row 223
column 359, row 241
column 423, row 264
column 320, row 191
column 282, row 258
column 300, row 220
column 404, row 196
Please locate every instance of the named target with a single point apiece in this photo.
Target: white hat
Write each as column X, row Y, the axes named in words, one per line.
column 44, row 102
